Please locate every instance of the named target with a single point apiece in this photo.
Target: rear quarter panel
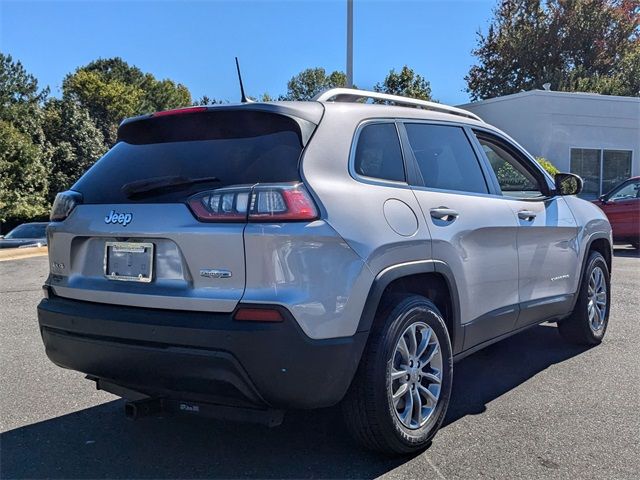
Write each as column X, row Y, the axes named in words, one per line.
column 356, row 210
column 309, row 269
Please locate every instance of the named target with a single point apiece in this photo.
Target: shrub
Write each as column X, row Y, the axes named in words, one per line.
column 548, row 166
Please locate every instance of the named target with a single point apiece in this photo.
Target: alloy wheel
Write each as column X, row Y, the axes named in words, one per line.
column 416, row 375
column 597, row 299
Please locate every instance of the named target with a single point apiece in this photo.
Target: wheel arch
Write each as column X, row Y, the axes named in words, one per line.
column 598, row 242
column 432, row 279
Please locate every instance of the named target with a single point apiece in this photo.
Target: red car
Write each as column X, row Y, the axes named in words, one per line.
column 622, row 207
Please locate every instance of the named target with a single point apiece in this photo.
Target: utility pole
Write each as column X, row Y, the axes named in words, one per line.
column 350, row 43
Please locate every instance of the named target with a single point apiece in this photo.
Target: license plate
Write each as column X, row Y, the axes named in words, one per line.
column 128, row 261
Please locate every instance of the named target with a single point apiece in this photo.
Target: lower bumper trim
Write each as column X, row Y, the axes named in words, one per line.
column 199, row 356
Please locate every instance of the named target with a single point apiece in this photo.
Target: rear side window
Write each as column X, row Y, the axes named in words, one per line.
column 445, row 158
column 378, row 153
column 218, row 148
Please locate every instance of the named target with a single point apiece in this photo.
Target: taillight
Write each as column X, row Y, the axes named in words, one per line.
column 261, row 203
column 63, row 204
column 276, row 203
column 221, row 205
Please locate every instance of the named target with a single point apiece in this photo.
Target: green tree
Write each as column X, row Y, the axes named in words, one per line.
column 23, row 160
column 20, row 98
column 206, row 100
column 308, row 83
column 576, row 45
column 111, row 90
column 163, row 94
column 74, row 143
column 265, row 97
column 406, row 83
column 23, row 175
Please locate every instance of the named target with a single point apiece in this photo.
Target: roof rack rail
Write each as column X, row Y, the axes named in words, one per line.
column 352, row 95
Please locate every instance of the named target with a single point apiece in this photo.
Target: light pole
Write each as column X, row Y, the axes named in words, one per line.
column 350, row 43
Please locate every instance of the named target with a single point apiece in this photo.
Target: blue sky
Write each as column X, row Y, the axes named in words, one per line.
column 194, row 42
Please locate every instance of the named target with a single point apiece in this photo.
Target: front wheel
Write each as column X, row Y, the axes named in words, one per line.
column 399, row 396
column 588, row 322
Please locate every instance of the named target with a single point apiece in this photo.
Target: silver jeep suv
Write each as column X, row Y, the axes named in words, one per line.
column 240, row 260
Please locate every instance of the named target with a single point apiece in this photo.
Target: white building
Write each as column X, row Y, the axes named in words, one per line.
column 594, row 136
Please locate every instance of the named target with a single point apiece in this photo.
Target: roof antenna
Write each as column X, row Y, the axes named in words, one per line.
column 243, row 97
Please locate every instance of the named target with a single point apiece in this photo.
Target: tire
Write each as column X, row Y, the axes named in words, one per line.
column 588, row 322
column 370, row 413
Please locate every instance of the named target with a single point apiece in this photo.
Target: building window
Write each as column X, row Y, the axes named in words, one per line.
column 601, row 170
column 616, row 167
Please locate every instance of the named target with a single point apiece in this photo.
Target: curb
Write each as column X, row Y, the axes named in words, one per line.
column 20, row 253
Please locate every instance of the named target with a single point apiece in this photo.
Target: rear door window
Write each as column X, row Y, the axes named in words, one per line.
column 445, row 158
column 220, row 148
column 378, row 153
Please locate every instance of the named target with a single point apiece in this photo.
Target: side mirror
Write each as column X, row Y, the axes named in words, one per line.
column 603, row 198
column 1, row 237
column 568, row 184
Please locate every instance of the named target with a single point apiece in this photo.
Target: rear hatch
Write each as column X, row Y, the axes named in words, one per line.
column 159, row 220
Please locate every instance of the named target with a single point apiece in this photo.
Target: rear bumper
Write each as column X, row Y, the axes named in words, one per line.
column 199, row 356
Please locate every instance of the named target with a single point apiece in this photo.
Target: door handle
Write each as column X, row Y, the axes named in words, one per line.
column 526, row 215
column 444, row 213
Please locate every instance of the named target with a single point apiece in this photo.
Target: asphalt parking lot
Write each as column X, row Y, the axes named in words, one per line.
column 528, row 407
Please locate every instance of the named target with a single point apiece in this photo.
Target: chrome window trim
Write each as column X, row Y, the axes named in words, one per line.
column 455, row 192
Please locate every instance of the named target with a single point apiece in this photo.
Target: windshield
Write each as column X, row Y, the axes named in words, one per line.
column 626, row 192
column 28, row 231
column 192, row 154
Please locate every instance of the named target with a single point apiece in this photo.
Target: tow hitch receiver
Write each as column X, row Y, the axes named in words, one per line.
column 157, row 406
column 143, row 408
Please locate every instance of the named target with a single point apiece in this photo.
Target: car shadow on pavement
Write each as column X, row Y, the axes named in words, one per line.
column 626, row 252
column 497, row 369
column 99, row 442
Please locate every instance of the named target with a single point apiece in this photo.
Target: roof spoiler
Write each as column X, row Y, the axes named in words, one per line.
column 307, row 115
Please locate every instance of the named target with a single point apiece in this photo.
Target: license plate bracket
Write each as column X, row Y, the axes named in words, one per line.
column 128, row 261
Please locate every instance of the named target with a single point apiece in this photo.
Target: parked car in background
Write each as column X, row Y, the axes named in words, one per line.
column 622, row 207
column 26, row 235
